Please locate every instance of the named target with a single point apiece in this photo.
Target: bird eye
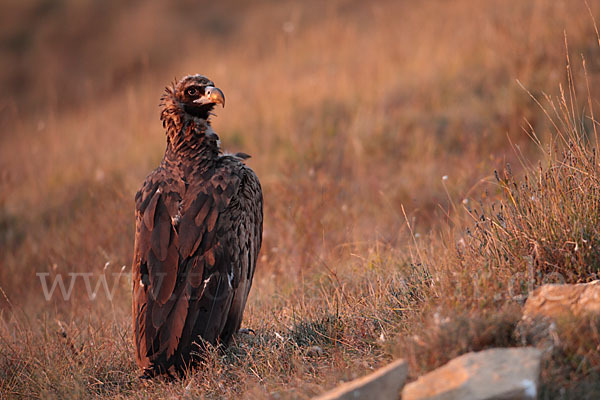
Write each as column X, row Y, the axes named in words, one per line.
column 193, row 91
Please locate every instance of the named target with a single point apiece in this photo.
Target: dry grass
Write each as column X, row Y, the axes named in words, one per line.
column 353, row 113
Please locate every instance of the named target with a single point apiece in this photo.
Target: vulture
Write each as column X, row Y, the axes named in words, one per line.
column 198, row 233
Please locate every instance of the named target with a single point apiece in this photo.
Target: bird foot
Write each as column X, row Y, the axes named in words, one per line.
column 247, row 331
column 145, row 379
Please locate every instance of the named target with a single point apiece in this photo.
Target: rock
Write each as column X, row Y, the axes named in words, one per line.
column 555, row 301
column 385, row 383
column 314, row 351
column 550, row 304
column 490, row 374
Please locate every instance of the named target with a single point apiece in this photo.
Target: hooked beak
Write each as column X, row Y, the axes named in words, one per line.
column 212, row 95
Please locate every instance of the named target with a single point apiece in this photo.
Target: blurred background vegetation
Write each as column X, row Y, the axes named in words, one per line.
column 353, row 112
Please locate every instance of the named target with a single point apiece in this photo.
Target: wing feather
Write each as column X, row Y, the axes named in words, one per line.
column 201, row 216
column 161, row 235
column 149, row 212
column 177, row 323
column 197, row 271
column 212, row 220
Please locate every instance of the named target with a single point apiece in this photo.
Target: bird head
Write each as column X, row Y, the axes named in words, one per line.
column 198, row 95
column 194, row 96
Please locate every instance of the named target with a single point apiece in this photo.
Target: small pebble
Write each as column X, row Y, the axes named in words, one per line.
column 314, row 351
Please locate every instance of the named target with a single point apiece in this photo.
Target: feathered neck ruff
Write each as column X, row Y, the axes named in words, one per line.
column 187, row 136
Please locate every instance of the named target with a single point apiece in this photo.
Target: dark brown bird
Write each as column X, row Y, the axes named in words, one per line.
column 198, row 234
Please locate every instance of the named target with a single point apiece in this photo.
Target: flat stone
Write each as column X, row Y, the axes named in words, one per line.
column 555, row 301
column 510, row 373
column 385, row 383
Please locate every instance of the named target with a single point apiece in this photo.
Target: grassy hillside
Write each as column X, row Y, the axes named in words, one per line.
column 375, row 128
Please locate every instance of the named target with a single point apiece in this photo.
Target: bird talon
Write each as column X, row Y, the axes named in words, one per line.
column 247, row 331
column 145, row 377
